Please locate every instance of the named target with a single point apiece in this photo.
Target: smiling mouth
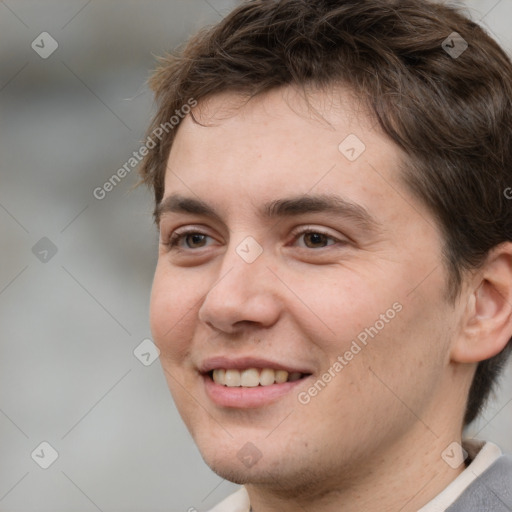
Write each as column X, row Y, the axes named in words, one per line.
column 253, row 377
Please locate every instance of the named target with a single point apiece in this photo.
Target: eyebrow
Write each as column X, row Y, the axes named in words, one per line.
column 279, row 208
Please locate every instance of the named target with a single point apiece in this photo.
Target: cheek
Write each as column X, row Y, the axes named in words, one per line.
column 403, row 362
column 374, row 321
column 171, row 313
column 341, row 306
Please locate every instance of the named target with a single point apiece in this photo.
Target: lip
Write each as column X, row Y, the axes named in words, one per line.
column 246, row 398
column 242, row 363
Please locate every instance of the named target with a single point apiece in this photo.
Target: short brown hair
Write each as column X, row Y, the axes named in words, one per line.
column 450, row 113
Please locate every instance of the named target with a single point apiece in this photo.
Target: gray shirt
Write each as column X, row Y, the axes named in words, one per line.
column 490, row 492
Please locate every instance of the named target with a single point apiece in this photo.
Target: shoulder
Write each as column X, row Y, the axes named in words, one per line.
column 492, row 490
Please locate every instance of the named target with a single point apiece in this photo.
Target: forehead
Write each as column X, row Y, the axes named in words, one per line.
column 277, row 145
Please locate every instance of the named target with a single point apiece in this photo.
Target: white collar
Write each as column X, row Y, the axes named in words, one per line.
column 237, row 502
column 487, row 455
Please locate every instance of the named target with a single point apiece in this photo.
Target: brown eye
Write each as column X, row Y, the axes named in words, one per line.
column 192, row 239
column 314, row 240
column 195, row 240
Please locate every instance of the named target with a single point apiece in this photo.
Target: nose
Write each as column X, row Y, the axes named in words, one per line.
column 244, row 294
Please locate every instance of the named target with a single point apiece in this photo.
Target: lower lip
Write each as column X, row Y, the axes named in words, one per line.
column 247, row 397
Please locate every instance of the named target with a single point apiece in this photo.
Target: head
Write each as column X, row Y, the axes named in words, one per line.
column 375, row 102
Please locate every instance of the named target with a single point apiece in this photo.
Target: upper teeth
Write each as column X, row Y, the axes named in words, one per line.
column 253, row 377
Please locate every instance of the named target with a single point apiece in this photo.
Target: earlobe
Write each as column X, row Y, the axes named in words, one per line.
column 487, row 324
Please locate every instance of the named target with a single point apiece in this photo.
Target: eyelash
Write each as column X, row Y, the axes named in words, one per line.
column 178, row 236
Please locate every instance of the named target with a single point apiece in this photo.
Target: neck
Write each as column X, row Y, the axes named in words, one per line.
column 401, row 478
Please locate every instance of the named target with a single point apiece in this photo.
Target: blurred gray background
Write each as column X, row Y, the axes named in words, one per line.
column 76, row 271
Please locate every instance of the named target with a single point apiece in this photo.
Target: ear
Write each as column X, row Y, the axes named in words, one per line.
column 487, row 325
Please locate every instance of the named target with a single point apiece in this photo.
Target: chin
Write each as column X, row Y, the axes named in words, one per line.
column 285, row 482
column 234, row 464
column 232, row 474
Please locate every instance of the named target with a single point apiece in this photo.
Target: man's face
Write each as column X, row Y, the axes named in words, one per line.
column 352, row 299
